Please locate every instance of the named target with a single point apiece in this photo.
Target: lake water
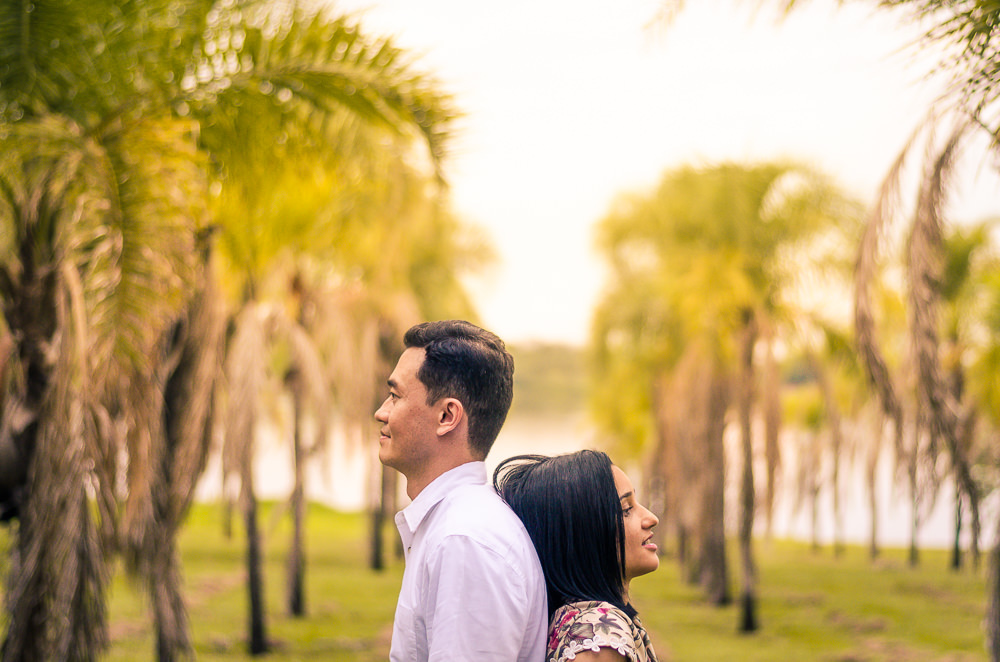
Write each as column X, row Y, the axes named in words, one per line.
column 345, row 477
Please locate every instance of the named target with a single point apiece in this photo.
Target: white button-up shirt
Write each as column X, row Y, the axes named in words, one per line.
column 472, row 588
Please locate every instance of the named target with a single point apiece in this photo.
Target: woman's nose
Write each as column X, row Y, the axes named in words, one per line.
column 651, row 519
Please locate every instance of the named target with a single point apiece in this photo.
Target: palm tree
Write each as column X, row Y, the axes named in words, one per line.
column 964, row 30
column 383, row 255
column 84, row 304
column 114, row 115
column 707, row 259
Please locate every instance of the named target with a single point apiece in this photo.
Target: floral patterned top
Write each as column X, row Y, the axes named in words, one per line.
column 590, row 626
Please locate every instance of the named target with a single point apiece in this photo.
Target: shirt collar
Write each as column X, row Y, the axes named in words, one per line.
column 470, row 473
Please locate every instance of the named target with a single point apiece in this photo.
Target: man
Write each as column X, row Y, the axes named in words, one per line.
column 473, row 587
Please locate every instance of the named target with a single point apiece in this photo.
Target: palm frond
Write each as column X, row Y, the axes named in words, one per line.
column 245, row 375
column 925, row 271
column 865, row 272
column 309, row 364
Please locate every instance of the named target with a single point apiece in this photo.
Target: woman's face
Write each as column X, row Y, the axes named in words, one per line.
column 640, row 550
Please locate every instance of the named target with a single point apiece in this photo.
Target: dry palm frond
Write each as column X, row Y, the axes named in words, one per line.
column 246, row 373
column 865, row 273
column 364, row 340
column 308, row 365
column 926, row 244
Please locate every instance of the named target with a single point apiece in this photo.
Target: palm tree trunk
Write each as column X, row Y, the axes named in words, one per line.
column 836, row 446
column 56, row 600
column 871, row 474
column 956, row 549
column 55, row 595
column 257, row 644
column 169, row 611
column 838, row 516
column 296, row 555
column 378, row 519
column 912, row 458
column 748, row 618
column 712, row 563
column 911, row 470
column 772, row 427
column 663, row 479
column 814, row 487
column 187, row 417
column 992, row 620
column 158, row 562
column 686, row 406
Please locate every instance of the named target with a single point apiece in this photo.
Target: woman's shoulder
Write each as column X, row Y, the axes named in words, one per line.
column 589, row 612
column 589, row 626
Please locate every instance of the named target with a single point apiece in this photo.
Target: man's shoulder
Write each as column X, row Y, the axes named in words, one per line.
column 477, row 512
column 476, row 506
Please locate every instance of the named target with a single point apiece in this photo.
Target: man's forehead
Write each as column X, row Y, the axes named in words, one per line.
column 407, row 366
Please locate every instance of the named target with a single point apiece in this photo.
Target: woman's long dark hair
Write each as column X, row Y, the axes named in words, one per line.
column 570, row 507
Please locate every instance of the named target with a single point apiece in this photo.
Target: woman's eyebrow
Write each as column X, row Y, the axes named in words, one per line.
column 624, row 496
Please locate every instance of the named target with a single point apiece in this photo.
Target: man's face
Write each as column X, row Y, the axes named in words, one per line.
column 408, row 436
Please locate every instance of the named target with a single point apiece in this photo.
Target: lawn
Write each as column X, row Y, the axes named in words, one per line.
column 813, row 607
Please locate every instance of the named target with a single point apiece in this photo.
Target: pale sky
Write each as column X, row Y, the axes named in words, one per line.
column 570, row 102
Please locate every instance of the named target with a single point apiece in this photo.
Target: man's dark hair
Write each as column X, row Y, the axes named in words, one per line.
column 470, row 364
column 569, row 504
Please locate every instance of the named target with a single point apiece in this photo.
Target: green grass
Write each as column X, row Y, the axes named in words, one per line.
column 349, row 607
column 815, row 607
column 812, row 606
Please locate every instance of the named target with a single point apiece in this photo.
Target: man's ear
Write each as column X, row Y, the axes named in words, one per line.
column 451, row 413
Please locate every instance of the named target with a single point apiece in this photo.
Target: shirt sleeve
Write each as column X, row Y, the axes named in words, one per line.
column 478, row 607
column 590, row 629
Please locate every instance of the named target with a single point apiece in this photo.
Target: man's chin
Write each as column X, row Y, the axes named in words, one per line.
column 385, row 458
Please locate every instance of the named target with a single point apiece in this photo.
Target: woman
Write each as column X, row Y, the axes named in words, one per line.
column 592, row 538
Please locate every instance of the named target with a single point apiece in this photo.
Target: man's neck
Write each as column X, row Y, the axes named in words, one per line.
column 416, row 484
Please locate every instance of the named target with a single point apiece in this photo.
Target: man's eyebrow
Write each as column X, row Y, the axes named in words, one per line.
column 391, row 382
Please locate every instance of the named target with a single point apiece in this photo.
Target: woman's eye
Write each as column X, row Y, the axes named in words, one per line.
column 627, row 511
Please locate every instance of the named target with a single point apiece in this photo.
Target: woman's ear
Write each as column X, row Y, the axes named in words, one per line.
column 450, row 416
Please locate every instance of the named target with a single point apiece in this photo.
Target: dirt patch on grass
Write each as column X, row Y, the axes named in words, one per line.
column 805, row 600
column 857, row 625
column 880, row 650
